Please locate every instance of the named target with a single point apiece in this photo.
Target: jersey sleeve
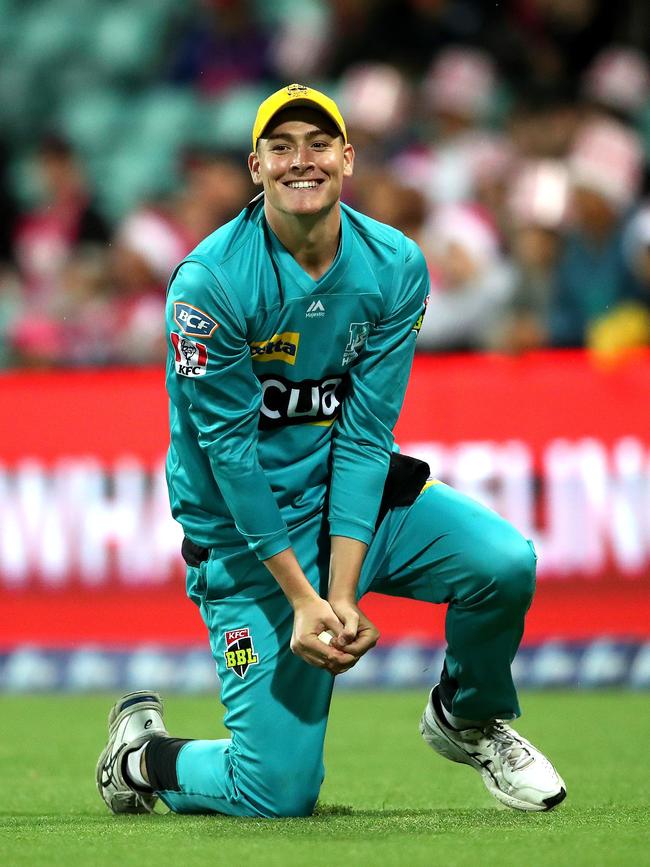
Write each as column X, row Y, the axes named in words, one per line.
column 210, row 377
column 363, row 436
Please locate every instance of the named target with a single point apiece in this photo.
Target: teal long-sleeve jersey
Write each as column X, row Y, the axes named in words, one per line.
column 284, row 388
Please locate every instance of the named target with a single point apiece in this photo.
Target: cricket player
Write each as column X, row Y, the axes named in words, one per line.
column 291, row 335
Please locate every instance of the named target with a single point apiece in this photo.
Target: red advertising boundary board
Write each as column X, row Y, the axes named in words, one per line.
column 536, row 398
column 573, row 611
column 112, row 413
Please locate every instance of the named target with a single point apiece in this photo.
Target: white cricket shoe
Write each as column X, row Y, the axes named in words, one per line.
column 132, row 721
column 513, row 770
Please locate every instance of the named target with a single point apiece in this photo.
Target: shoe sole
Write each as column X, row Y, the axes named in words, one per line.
column 115, row 716
column 445, row 747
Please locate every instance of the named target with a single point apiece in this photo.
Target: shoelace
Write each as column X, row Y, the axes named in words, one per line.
column 507, row 745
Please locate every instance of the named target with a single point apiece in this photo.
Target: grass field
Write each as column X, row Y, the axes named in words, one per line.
column 387, row 799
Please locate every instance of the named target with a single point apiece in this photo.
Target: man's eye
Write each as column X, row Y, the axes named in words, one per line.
column 320, row 145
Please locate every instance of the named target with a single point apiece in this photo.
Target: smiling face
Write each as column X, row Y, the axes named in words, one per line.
column 300, row 162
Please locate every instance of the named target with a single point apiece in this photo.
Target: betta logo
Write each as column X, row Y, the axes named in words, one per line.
column 191, row 358
column 280, row 347
column 240, row 653
column 193, row 321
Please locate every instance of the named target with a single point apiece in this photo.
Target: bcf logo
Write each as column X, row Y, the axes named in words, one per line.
column 193, row 321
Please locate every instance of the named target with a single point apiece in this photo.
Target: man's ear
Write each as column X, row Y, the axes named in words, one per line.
column 348, row 160
column 254, row 168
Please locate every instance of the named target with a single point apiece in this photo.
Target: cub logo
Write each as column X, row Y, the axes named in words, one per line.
column 240, row 653
column 280, row 347
column 193, row 321
column 359, row 332
column 310, row 401
column 191, row 358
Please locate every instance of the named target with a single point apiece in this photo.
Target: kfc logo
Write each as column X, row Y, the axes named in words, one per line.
column 191, row 358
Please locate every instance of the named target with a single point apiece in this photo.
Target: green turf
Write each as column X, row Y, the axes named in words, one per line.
column 387, row 799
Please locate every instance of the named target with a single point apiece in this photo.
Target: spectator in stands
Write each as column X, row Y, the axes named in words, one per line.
column 495, row 163
column 537, row 205
column 617, row 82
column 78, row 327
column 377, row 100
column 380, row 195
column 302, row 38
column 561, row 37
column 215, row 188
column 67, row 216
column 147, row 247
column 593, row 275
column 224, row 47
column 10, row 294
column 637, row 250
column 46, row 242
column 627, row 326
column 542, row 123
column 11, row 310
column 8, row 209
column 457, row 93
column 405, row 33
column 471, row 284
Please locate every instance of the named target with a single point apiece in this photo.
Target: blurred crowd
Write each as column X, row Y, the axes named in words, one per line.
column 510, row 142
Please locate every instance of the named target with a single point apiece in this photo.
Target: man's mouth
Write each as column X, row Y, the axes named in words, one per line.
column 302, row 185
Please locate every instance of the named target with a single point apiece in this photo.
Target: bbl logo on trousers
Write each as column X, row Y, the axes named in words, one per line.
column 240, row 653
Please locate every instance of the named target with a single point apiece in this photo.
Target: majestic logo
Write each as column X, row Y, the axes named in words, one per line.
column 315, row 310
column 297, row 89
column 305, row 402
column 193, row 321
column 240, row 653
column 359, row 332
column 420, row 318
column 191, row 357
column 280, row 347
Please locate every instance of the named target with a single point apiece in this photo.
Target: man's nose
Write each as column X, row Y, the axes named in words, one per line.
column 302, row 158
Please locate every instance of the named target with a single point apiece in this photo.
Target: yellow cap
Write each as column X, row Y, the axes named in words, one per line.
column 296, row 94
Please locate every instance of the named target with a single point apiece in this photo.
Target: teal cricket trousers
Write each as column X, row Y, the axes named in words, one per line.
column 443, row 548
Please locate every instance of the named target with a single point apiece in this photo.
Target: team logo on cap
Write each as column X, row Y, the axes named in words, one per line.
column 297, row 89
column 240, row 653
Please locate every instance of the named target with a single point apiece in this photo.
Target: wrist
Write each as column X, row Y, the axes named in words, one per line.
column 342, row 597
column 300, row 598
column 294, row 583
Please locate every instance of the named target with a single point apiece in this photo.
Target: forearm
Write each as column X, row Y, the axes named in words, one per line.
column 287, row 572
column 346, row 559
column 361, row 469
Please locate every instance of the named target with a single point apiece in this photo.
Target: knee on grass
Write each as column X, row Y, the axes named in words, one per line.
column 287, row 799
